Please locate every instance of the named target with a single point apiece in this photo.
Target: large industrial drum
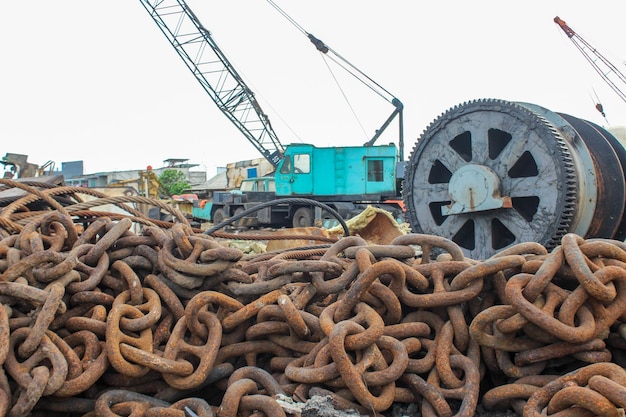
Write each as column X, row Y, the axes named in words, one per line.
column 489, row 174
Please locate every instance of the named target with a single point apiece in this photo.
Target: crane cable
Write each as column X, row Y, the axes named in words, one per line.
column 324, row 55
column 345, row 64
column 344, row 95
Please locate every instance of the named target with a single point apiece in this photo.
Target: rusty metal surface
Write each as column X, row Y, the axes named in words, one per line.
column 101, row 319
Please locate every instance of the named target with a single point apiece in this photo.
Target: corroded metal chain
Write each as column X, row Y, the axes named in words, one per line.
column 106, row 322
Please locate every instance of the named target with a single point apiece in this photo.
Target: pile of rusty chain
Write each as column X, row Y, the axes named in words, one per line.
column 110, row 322
column 29, row 201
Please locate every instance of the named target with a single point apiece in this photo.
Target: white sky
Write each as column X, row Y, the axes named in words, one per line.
column 98, row 81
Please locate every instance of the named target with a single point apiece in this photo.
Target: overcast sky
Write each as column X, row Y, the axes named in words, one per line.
column 98, row 81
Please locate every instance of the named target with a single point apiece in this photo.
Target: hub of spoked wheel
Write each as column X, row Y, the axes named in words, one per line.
column 474, row 188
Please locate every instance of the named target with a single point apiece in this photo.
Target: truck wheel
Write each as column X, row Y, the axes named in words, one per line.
column 303, row 217
column 218, row 216
column 239, row 223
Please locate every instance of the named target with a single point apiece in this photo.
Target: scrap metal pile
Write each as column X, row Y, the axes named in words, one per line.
column 118, row 315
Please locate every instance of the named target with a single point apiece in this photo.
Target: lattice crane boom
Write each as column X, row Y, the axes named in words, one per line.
column 610, row 73
column 197, row 48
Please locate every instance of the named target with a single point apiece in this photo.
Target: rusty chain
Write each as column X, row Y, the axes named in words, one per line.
column 171, row 320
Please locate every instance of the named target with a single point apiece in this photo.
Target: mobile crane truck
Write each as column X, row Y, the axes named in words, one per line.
column 346, row 179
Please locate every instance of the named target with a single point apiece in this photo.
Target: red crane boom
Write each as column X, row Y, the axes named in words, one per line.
column 607, row 70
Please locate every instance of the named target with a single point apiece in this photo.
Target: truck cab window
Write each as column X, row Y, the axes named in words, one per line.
column 286, row 167
column 302, row 163
column 375, row 170
column 247, row 186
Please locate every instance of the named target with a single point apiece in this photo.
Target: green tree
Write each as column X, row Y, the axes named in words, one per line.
column 173, row 182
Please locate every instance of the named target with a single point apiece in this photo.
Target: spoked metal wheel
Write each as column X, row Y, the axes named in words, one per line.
column 489, row 174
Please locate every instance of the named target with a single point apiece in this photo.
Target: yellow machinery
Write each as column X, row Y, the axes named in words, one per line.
column 147, row 184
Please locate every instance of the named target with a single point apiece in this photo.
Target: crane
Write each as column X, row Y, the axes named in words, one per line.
column 346, row 178
column 607, row 70
column 198, row 49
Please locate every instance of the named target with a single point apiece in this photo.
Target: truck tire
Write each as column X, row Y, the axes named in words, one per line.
column 241, row 222
column 218, row 216
column 303, row 217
